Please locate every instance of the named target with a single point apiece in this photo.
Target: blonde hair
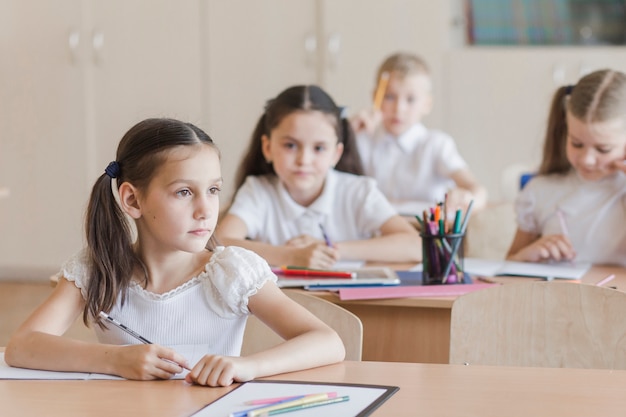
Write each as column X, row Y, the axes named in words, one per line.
column 403, row 64
column 597, row 97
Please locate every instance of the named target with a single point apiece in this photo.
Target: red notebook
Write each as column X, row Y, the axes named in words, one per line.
column 372, row 293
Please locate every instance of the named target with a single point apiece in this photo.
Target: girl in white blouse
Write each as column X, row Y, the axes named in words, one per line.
column 298, row 200
column 172, row 285
column 575, row 208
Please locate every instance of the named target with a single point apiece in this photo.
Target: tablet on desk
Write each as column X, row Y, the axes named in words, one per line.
column 358, row 277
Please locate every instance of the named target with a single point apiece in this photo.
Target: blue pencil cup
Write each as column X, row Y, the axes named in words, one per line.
column 442, row 258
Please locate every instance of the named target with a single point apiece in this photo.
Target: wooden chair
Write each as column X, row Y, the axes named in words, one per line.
column 259, row 337
column 547, row 324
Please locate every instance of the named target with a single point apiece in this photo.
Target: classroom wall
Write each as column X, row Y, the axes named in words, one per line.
column 79, row 73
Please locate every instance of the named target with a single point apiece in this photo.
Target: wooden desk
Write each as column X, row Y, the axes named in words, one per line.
column 425, row 389
column 418, row 329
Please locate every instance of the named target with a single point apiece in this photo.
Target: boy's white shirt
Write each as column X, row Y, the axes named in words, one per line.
column 413, row 170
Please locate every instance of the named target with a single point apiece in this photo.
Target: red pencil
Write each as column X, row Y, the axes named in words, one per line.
column 317, row 273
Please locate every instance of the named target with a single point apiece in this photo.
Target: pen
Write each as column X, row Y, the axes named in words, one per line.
column 457, row 242
column 326, row 239
column 457, row 222
column 561, row 217
column 605, row 280
column 124, row 328
column 135, row 335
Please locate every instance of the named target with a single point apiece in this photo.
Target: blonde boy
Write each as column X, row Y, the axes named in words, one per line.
column 414, row 166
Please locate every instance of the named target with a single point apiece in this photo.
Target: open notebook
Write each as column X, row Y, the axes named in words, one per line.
column 193, row 353
column 562, row 270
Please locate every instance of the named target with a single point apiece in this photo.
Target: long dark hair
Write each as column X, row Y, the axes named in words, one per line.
column 598, row 97
column 298, row 98
column 111, row 258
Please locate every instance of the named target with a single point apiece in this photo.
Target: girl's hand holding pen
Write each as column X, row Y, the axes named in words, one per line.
column 146, row 362
column 549, row 247
column 312, row 253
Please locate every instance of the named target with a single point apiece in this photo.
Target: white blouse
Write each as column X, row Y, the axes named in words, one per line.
column 415, row 167
column 210, row 309
column 350, row 208
column 594, row 213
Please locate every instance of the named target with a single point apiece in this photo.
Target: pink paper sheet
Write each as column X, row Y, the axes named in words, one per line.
column 371, row 293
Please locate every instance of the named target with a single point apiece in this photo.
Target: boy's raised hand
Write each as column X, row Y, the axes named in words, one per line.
column 366, row 121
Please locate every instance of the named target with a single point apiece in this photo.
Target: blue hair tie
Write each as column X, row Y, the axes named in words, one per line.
column 569, row 89
column 113, row 169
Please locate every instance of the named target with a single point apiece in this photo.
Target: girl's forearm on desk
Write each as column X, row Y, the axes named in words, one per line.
column 397, row 247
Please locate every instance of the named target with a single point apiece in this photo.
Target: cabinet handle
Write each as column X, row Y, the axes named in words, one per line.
column 333, row 47
column 310, row 49
column 73, row 41
column 558, row 75
column 97, row 43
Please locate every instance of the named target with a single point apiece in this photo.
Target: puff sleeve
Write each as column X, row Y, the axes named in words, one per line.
column 233, row 275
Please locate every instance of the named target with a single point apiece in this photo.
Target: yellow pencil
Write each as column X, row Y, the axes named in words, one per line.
column 380, row 90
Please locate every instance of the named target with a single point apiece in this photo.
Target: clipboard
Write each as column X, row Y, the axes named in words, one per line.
column 364, row 399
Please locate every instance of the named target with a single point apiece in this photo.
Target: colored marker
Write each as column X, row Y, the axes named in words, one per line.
column 275, row 400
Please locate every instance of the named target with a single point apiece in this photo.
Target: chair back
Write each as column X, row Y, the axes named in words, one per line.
column 547, row 324
column 258, row 336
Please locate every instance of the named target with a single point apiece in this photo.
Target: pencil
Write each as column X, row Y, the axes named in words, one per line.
column 300, row 407
column 561, row 217
column 135, row 335
column 124, row 328
column 380, row 90
column 457, row 242
column 265, row 401
column 605, row 280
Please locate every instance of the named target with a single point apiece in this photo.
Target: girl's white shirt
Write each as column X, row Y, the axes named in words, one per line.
column 210, row 309
column 415, row 167
column 350, row 208
column 594, row 213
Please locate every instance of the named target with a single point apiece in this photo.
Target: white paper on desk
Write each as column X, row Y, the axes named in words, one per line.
column 9, row 372
column 193, row 353
column 360, row 398
column 563, row 270
column 348, row 265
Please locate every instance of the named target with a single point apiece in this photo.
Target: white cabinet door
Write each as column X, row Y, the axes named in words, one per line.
column 359, row 34
column 253, row 50
column 145, row 61
column 42, row 148
column 497, row 102
column 77, row 75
